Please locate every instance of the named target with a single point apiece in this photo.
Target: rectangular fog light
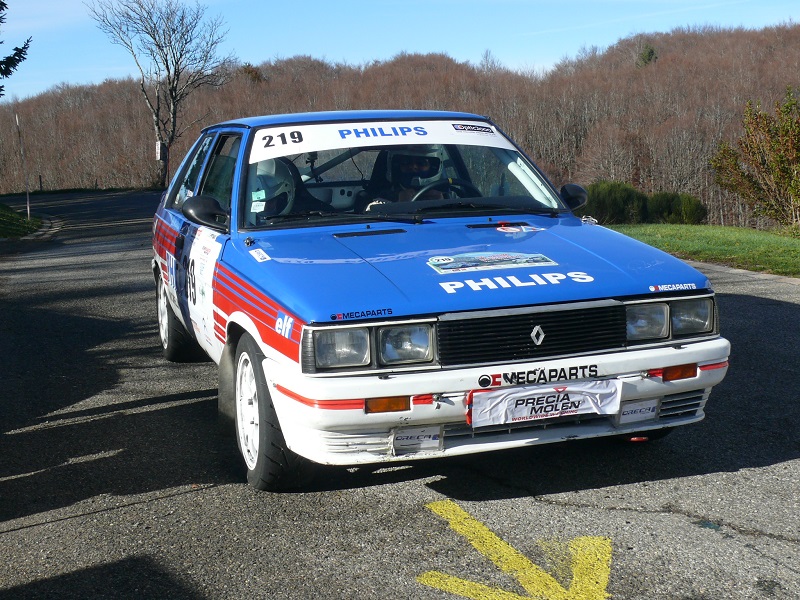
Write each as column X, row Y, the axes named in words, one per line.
column 679, row 372
column 387, row 404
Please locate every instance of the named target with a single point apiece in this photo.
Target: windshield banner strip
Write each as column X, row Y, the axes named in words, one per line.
column 295, row 139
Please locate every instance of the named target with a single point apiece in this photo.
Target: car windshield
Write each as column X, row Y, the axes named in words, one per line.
column 378, row 170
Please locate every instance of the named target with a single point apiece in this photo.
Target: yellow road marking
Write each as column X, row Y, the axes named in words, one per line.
column 590, row 564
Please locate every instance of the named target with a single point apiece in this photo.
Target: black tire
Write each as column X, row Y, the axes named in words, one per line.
column 269, row 462
column 176, row 343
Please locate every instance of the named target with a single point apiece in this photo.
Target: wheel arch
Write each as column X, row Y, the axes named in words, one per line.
column 238, row 325
column 226, row 398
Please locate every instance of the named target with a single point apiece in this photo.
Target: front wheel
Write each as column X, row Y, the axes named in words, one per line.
column 177, row 344
column 270, row 464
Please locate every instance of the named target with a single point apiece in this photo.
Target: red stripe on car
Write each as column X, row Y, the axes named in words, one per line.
column 353, row 404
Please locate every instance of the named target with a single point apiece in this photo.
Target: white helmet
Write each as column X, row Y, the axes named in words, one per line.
column 274, row 178
column 414, row 166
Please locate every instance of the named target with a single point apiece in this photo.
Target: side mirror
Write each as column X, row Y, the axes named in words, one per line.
column 205, row 210
column 574, row 195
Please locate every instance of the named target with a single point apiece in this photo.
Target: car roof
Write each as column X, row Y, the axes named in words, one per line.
column 345, row 116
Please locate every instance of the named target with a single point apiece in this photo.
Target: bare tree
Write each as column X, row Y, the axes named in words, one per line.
column 175, row 49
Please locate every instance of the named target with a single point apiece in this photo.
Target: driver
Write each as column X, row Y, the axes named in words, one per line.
column 409, row 170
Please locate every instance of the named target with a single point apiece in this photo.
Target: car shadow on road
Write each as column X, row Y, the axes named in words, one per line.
column 131, row 578
column 38, row 376
column 72, row 429
column 753, row 420
column 144, row 446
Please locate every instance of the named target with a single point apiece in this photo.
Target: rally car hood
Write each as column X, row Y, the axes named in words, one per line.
column 392, row 270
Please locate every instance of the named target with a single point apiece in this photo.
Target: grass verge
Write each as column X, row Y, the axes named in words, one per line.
column 764, row 251
column 15, row 225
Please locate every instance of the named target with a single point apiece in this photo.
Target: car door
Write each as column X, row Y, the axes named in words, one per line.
column 202, row 245
column 192, row 249
column 171, row 226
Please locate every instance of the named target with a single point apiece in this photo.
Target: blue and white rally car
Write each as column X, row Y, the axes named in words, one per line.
column 393, row 285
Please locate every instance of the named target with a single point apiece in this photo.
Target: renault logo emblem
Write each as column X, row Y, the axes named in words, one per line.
column 537, row 335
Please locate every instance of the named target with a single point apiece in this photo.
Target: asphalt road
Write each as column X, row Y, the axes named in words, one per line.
column 115, row 481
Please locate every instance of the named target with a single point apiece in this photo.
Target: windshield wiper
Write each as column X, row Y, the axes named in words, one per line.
column 462, row 204
column 306, row 214
column 544, row 210
column 496, row 206
column 515, row 204
column 314, row 214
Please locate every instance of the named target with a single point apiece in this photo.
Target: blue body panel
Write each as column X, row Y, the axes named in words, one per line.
column 353, row 273
column 345, row 116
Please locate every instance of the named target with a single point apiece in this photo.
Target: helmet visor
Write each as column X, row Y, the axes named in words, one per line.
column 410, row 167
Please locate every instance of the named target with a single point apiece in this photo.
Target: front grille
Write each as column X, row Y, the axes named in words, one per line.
column 344, row 443
column 508, row 337
column 672, row 408
column 460, row 430
column 676, row 406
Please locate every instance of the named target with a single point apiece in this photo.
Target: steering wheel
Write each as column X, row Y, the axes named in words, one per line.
column 290, row 196
column 462, row 184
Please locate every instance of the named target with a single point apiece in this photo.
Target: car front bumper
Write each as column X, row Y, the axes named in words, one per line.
column 323, row 418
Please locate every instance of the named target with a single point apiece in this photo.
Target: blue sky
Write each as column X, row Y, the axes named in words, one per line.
column 67, row 46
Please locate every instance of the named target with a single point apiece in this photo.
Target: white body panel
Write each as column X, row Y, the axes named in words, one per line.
column 349, row 436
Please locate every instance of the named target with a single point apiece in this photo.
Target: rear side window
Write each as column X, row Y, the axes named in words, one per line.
column 218, row 180
column 192, row 172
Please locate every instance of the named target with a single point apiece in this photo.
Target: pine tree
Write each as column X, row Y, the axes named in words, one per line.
column 10, row 63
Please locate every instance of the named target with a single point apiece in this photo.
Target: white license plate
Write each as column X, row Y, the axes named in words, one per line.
column 633, row 412
column 407, row 440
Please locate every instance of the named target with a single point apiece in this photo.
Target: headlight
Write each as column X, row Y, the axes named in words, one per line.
column 647, row 321
column 405, row 344
column 341, row 348
column 692, row 316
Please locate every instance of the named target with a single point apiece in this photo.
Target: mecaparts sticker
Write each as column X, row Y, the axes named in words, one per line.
column 538, row 376
column 362, row 314
column 673, row 287
column 485, row 261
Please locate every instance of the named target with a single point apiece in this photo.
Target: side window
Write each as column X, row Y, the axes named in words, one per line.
column 218, row 180
column 192, row 172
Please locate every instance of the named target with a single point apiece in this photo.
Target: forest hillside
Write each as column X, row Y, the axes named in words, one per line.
column 650, row 110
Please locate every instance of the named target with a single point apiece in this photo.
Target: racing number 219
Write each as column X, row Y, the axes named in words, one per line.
column 294, row 136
